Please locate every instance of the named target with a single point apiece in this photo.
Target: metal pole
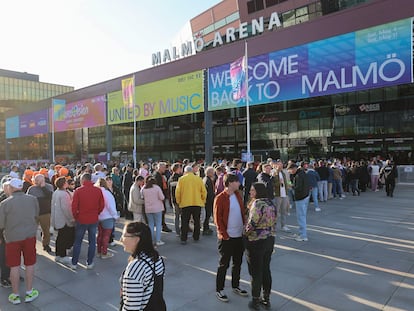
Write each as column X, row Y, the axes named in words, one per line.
column 53, row 131
column 135, row 124
column 247, row 103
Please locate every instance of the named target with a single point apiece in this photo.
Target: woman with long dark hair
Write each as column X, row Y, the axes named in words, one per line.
column 142, row 281
column 260, row 239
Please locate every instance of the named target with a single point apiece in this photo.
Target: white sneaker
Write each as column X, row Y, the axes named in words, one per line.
column 317, row 209
column 300, row 239
column 113, row 243
column 90, row 266
column 343, row 196
column 286, row 229
column 59, row 259
column 159, row 243
column 66, row 260
column 107, row 255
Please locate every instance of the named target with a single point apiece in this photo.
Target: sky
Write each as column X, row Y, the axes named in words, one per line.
column 84, row 42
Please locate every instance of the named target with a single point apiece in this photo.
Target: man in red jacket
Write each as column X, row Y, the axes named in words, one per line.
column 229, row 218
column 87, row 204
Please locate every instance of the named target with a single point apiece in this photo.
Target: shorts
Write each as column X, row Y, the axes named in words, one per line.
column 14, row 251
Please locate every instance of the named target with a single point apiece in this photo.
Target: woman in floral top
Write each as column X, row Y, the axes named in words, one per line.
column 260, row 239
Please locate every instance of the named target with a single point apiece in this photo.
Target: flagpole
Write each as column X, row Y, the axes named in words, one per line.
column 247, row 102
column 135, row 123
column 53, row 131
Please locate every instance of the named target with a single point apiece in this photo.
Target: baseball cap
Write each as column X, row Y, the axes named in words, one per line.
column 15, row 183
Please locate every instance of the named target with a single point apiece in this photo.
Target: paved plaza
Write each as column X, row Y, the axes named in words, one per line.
column 360, row 256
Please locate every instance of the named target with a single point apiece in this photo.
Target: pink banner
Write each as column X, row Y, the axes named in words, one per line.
column 89, row 112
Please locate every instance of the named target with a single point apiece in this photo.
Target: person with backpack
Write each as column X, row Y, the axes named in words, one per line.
column 142, row 282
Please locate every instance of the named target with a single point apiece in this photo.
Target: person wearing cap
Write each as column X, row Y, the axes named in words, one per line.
column 230, row 219
column 27, row 179
column 301, row 187
column 14, row 172
column 18, row 217
column 43, row 192
column 190, row 195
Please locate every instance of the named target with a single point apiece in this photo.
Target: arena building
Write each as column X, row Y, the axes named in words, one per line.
column 325, row 78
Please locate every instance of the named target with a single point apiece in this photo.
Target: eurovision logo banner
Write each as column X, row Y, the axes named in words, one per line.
column 371, row 58
column 85, row 113
column 170, row 97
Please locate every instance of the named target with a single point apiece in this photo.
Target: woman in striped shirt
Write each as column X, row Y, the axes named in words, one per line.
column 142, row 281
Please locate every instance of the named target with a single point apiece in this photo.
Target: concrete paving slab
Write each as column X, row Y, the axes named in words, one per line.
column 359, row 257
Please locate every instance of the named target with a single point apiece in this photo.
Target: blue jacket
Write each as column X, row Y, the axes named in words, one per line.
column 313, row 178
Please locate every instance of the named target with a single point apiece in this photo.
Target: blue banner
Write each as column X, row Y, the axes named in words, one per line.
column 371, row 58
column 12, row 127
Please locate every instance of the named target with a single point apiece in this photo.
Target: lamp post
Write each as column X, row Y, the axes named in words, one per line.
column 8, row 150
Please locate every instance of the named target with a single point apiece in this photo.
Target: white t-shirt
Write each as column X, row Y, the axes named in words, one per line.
column 235, row 221
column 282, row 189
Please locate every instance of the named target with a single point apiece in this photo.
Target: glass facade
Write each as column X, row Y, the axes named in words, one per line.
column 16, row 92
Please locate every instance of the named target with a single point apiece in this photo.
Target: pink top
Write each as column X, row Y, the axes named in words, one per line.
column 153, row 199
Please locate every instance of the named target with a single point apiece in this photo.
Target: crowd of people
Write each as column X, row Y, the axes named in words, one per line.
column 245, row 203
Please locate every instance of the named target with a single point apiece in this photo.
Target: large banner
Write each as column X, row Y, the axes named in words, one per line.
column 33, row 123
column 12, row 127
column 371, row 58
column 170, row 97
column 85, row 113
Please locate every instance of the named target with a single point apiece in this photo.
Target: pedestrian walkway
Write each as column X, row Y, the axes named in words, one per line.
column 360, row 256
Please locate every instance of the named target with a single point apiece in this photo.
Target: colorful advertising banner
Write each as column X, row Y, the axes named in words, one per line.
column 128, row 91
column 12, row 127
column 58, row 106
column 170, row 97
column 85, row 113
column 33, row 123
column 371, row 58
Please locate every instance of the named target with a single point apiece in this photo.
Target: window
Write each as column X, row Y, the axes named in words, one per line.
column 254, row 6
column 271, row 3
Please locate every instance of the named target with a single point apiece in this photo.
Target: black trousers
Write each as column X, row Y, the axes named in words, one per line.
column 389, row 187
column 209, row 211
column 186, row 214
column 64, row 240
column 258, row 256
column 231, row 249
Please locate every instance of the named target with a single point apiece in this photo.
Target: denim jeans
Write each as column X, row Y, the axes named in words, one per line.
column 80, row 230
column 301, row 210
column 155, row 223
column 337, row 187
column 291, row 195
column 282, row 206
column 314, row 192
column 323, row 190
